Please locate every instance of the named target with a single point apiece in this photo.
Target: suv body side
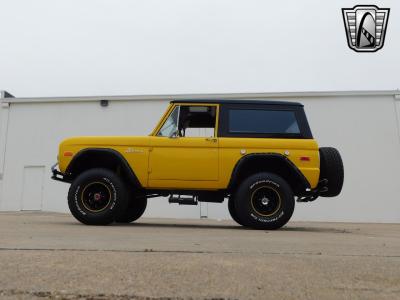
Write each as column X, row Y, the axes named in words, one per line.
column 259, row 155
column 204, row 163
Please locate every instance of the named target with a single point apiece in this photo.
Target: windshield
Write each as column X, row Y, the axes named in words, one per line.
column 171, row 124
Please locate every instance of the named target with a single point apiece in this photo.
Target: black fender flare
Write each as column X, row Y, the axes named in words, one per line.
column 302, row 181
column 84, row 154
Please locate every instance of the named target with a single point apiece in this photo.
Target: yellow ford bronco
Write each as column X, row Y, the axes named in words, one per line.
column 260, row 155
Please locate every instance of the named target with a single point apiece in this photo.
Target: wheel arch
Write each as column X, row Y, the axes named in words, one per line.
column 269, row 162
column 101, row 158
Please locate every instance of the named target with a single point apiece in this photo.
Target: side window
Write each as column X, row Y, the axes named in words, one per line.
column 190, row 121
column 197, row 121
column 170, row 126
column 259, row 121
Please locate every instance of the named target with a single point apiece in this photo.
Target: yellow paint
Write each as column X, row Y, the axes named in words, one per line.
column 193, row 163
column 230, row 153
column 137, row 159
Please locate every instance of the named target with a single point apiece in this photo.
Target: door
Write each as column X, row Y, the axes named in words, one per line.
column 185, row 151
column 184, row 158
column 32, row 188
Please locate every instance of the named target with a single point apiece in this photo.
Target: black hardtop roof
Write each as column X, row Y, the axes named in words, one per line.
column 241, row 101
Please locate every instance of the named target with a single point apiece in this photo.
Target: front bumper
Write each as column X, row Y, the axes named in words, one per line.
column 57, row 175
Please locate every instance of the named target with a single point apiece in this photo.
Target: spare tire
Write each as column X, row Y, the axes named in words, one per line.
column 331, row 169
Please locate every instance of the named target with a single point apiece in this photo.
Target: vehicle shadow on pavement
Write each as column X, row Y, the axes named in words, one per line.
column 305, row 229
column 235, row 227
column 315, row 229
column 180, row 225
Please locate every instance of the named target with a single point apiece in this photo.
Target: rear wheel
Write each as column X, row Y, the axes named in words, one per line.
column 135, row 210
column 96, row 196
column 264, row 201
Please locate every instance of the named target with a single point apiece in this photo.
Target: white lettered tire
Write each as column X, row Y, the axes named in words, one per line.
column 264, row 201
column 97, row 196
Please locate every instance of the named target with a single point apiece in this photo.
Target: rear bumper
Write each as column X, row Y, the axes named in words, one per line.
column 57, row 175
column 314, row 193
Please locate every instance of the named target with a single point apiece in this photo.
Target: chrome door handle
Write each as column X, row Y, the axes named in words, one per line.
column 214, row 140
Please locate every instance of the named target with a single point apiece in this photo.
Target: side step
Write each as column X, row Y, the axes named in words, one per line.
column 187, row 200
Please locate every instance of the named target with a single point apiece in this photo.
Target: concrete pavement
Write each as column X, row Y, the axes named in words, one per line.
column 50, row 255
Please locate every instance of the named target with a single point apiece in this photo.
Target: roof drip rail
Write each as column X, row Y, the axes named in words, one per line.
column 5, row 94
column 285, row 96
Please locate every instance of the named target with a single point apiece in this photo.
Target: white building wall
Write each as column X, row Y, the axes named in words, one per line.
column 363, row 128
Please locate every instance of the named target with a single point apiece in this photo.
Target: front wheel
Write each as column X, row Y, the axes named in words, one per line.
column 134, row 211
column 264, row 201
column 97, row 196
column 232, row 210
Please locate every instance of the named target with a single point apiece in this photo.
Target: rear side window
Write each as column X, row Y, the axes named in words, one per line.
column 263, row 121
column 257, row 121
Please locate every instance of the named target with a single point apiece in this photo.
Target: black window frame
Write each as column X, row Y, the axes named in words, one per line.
column 223, row 127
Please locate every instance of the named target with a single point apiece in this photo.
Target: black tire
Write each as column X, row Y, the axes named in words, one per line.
column 331, row 168
column 135, row 209
column 96, row 196
column 232, row 211
column 264, row 201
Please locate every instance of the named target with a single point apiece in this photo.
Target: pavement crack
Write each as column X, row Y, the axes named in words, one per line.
column 149, row 250
column 98, row 296
column 365, row 289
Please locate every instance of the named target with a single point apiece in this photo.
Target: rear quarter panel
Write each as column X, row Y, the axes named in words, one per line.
column 231, row 150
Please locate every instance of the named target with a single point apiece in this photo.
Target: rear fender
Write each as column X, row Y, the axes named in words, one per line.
column 272, row 163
